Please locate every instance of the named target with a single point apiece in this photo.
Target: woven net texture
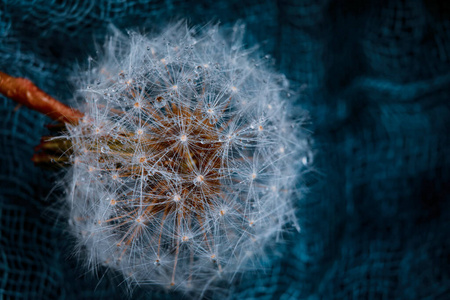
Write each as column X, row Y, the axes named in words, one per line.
column 375, row 77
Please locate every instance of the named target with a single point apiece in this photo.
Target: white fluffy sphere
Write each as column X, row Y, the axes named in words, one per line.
column 185, row 164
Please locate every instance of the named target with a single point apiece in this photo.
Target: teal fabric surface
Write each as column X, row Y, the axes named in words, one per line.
column 375, row 77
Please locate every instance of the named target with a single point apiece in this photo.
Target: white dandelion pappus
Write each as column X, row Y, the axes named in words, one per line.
column 186, row 161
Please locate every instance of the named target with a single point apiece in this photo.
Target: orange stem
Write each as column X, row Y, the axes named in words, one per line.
column 24, row 92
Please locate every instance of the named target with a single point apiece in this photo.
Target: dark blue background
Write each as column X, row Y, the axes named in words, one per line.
column 375, row 76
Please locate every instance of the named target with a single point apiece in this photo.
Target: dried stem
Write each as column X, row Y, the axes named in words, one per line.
column 24, row 92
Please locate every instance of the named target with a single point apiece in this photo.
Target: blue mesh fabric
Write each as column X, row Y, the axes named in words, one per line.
column 375, row 76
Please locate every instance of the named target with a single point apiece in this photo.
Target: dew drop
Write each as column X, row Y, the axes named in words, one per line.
column 197, row 69
column 160, row 102
column 307, row 159
column 104, row 149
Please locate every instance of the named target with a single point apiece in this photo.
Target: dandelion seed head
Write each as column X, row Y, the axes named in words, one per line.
column 180, row 165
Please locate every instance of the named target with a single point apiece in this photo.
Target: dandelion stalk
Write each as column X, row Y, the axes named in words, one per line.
column 24, row 92
column 51, row 152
